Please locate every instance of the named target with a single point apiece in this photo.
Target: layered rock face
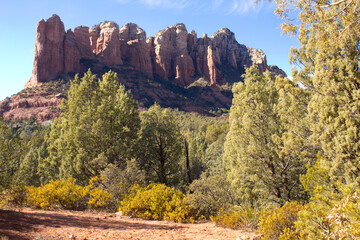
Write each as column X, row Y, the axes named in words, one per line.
column 49, row 50
column 172, row 54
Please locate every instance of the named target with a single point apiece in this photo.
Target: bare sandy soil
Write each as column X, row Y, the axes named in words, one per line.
column 26, row 223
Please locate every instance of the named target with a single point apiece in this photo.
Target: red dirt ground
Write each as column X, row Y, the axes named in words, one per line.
column 26, row 223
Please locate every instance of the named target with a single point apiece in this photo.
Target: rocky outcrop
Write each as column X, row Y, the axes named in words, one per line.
column 172, row 60
column 155, row 69
column 135, row 50
column 72, row 54
column 276, row 70
column 49, row 51
column 108, row 44
column 82, row 36
column 172, row 54
column 39, row 105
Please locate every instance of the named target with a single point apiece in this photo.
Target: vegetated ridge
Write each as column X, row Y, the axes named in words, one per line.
column 173, row 68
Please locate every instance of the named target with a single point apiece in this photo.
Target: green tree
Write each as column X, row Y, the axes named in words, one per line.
column 205, row 139
column 11, row 152
column 99, row 125
column 328, row 67
column 28, row 170
column 161, row 144
column 32, row 137
column 253, row 149
column 333, row 211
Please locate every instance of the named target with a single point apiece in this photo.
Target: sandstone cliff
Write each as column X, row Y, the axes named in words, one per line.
column 174, row 68
column 172, row 54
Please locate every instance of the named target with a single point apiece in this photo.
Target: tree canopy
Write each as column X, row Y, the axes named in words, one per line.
column 161, row 145
column 99, row 125
column 253, row 148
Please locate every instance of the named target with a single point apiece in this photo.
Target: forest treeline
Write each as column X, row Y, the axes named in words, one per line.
column 285, row 161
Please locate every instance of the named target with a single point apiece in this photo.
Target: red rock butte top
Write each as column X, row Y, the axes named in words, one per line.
column 172, row 54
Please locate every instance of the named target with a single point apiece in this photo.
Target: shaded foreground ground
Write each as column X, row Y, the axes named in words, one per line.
column 27, row 223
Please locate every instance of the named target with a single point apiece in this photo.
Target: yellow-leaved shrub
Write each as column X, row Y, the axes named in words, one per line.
column 278, row 223
column 331, row 215
column 238, row 216
column 156, row 201
column 67, row 195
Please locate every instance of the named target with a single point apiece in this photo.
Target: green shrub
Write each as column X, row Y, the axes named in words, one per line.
column 278, row 223
column 239, row 216
column 118, row 181
column 210, row 195
column 156, row 201
column 67, row 195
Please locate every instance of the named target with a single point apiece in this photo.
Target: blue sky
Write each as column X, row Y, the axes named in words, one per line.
column 254, row 26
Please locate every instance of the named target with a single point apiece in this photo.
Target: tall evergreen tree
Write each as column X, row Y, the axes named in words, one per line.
column 11, row 152
column 99, row 125
column 254, row 154
column 328, row 61
column 161, row 145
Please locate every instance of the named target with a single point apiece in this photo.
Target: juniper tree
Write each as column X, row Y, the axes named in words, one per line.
column 328, row 67
column 161, row 145
column 11, row 152
column 99, row 125
column 258, row 166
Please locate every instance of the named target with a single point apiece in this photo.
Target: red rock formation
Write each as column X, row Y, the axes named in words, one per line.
column 49, row 51
column 172, row 54
column 199, row 53
column 135, row 50
column 108, row 44
column 41, row 105
column 82, row 36
column 94, row 33
column 131, row 31
column 172, row 59
column 213, row 72
column 72, row 54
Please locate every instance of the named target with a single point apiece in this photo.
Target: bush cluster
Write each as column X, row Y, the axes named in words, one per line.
column 67, row 194
column 331, row 215
column 278, row 223
column 210, row 195
column 238, row 217
column 156, row 201
column 15, row 195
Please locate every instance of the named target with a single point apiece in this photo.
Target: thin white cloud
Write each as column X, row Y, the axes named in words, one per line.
column 217, row 3
column 178, row 4
column 243, row 6
column 224, row 6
